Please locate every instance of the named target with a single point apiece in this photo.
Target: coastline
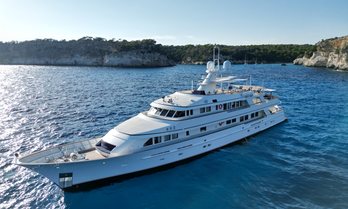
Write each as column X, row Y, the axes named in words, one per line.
column 89, row 51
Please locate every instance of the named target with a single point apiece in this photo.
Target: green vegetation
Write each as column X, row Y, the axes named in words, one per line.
column 239, row 54
column 86, row 46
column 99, row 47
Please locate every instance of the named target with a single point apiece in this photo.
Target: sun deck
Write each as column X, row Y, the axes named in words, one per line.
column 70, row 152
column 235, row 89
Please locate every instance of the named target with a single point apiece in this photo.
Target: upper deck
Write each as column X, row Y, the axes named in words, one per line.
column 189, row 98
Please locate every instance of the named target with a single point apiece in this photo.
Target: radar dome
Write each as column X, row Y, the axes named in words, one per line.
column 226, row 65
column 210, row 66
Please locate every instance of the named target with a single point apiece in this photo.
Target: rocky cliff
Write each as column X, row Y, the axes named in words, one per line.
column 87, row 51
column 331, row 53
column 119, row 59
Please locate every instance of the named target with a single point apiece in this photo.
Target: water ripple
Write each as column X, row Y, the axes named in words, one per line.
column 299, row 164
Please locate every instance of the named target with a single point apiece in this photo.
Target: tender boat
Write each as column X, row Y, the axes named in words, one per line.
column 176, row 127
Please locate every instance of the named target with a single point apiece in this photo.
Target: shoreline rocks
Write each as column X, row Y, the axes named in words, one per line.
column 331, row 53
column 120, row 59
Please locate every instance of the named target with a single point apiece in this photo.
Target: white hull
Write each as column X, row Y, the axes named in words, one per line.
column 92, row 170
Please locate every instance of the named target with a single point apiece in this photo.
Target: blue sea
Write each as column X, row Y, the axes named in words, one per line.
column 301, row 163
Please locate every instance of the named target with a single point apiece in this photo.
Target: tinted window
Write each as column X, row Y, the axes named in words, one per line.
column 170, row 113
column 202, row 110
column 246, row 117
column 234, row 120
column 105, row 145
column 158, row 111
column 157, row 139
column 187, row 133
column 148, row 142
column 203, row 128
column 228, row 122
column 175, row 136
column 179, row 114
column 164, row 112
column 166, row 137
column 208, row 109
column 241, row 119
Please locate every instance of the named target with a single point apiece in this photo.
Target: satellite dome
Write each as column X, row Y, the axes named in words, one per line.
column 226, row 65
column 210, row 66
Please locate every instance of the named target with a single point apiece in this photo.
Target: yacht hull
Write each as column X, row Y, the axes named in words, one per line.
column 68, row 175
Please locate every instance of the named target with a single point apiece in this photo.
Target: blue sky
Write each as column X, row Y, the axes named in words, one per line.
column 232, row 22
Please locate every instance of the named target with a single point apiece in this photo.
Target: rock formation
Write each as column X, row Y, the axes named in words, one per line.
column 331, row 53
column 86, row 51
column 120, row 59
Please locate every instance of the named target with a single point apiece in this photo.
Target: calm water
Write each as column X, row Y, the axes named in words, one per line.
column 302, row 163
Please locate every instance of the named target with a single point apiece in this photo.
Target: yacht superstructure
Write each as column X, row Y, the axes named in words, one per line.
column 176, row 127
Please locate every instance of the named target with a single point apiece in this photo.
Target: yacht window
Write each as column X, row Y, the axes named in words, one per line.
column 164, row 112
column 234, row 120
column 214, row 100
column 203, row 128
column 208, row 109
column 157, row 139
column 191, row 112
column 202, row 110
column 179, row 114
column 233, row 104
column 225, row 106
column 158, row 111
column 237, row 104
column 166, row 138
column 256, row 114
column 148, row 142
column 170, row 113
column 228, row 122
column 187, row 133
column 105, row 145
column 241, row 119
column 175, row 136
column 246, row 117
column 252, row 115
column 187, row 112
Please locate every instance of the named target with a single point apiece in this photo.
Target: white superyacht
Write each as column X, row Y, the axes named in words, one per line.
column 176, row 127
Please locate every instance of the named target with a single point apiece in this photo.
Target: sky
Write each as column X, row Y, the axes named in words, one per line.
column 176, row 22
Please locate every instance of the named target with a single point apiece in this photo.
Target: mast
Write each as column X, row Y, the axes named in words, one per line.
column 209, row 84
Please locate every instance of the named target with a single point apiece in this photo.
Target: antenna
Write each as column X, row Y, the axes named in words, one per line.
column 216, row 57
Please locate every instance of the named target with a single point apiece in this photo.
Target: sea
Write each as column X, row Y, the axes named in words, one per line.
column 300, row 163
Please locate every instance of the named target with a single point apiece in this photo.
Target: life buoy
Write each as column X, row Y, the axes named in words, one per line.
column 220, row 106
